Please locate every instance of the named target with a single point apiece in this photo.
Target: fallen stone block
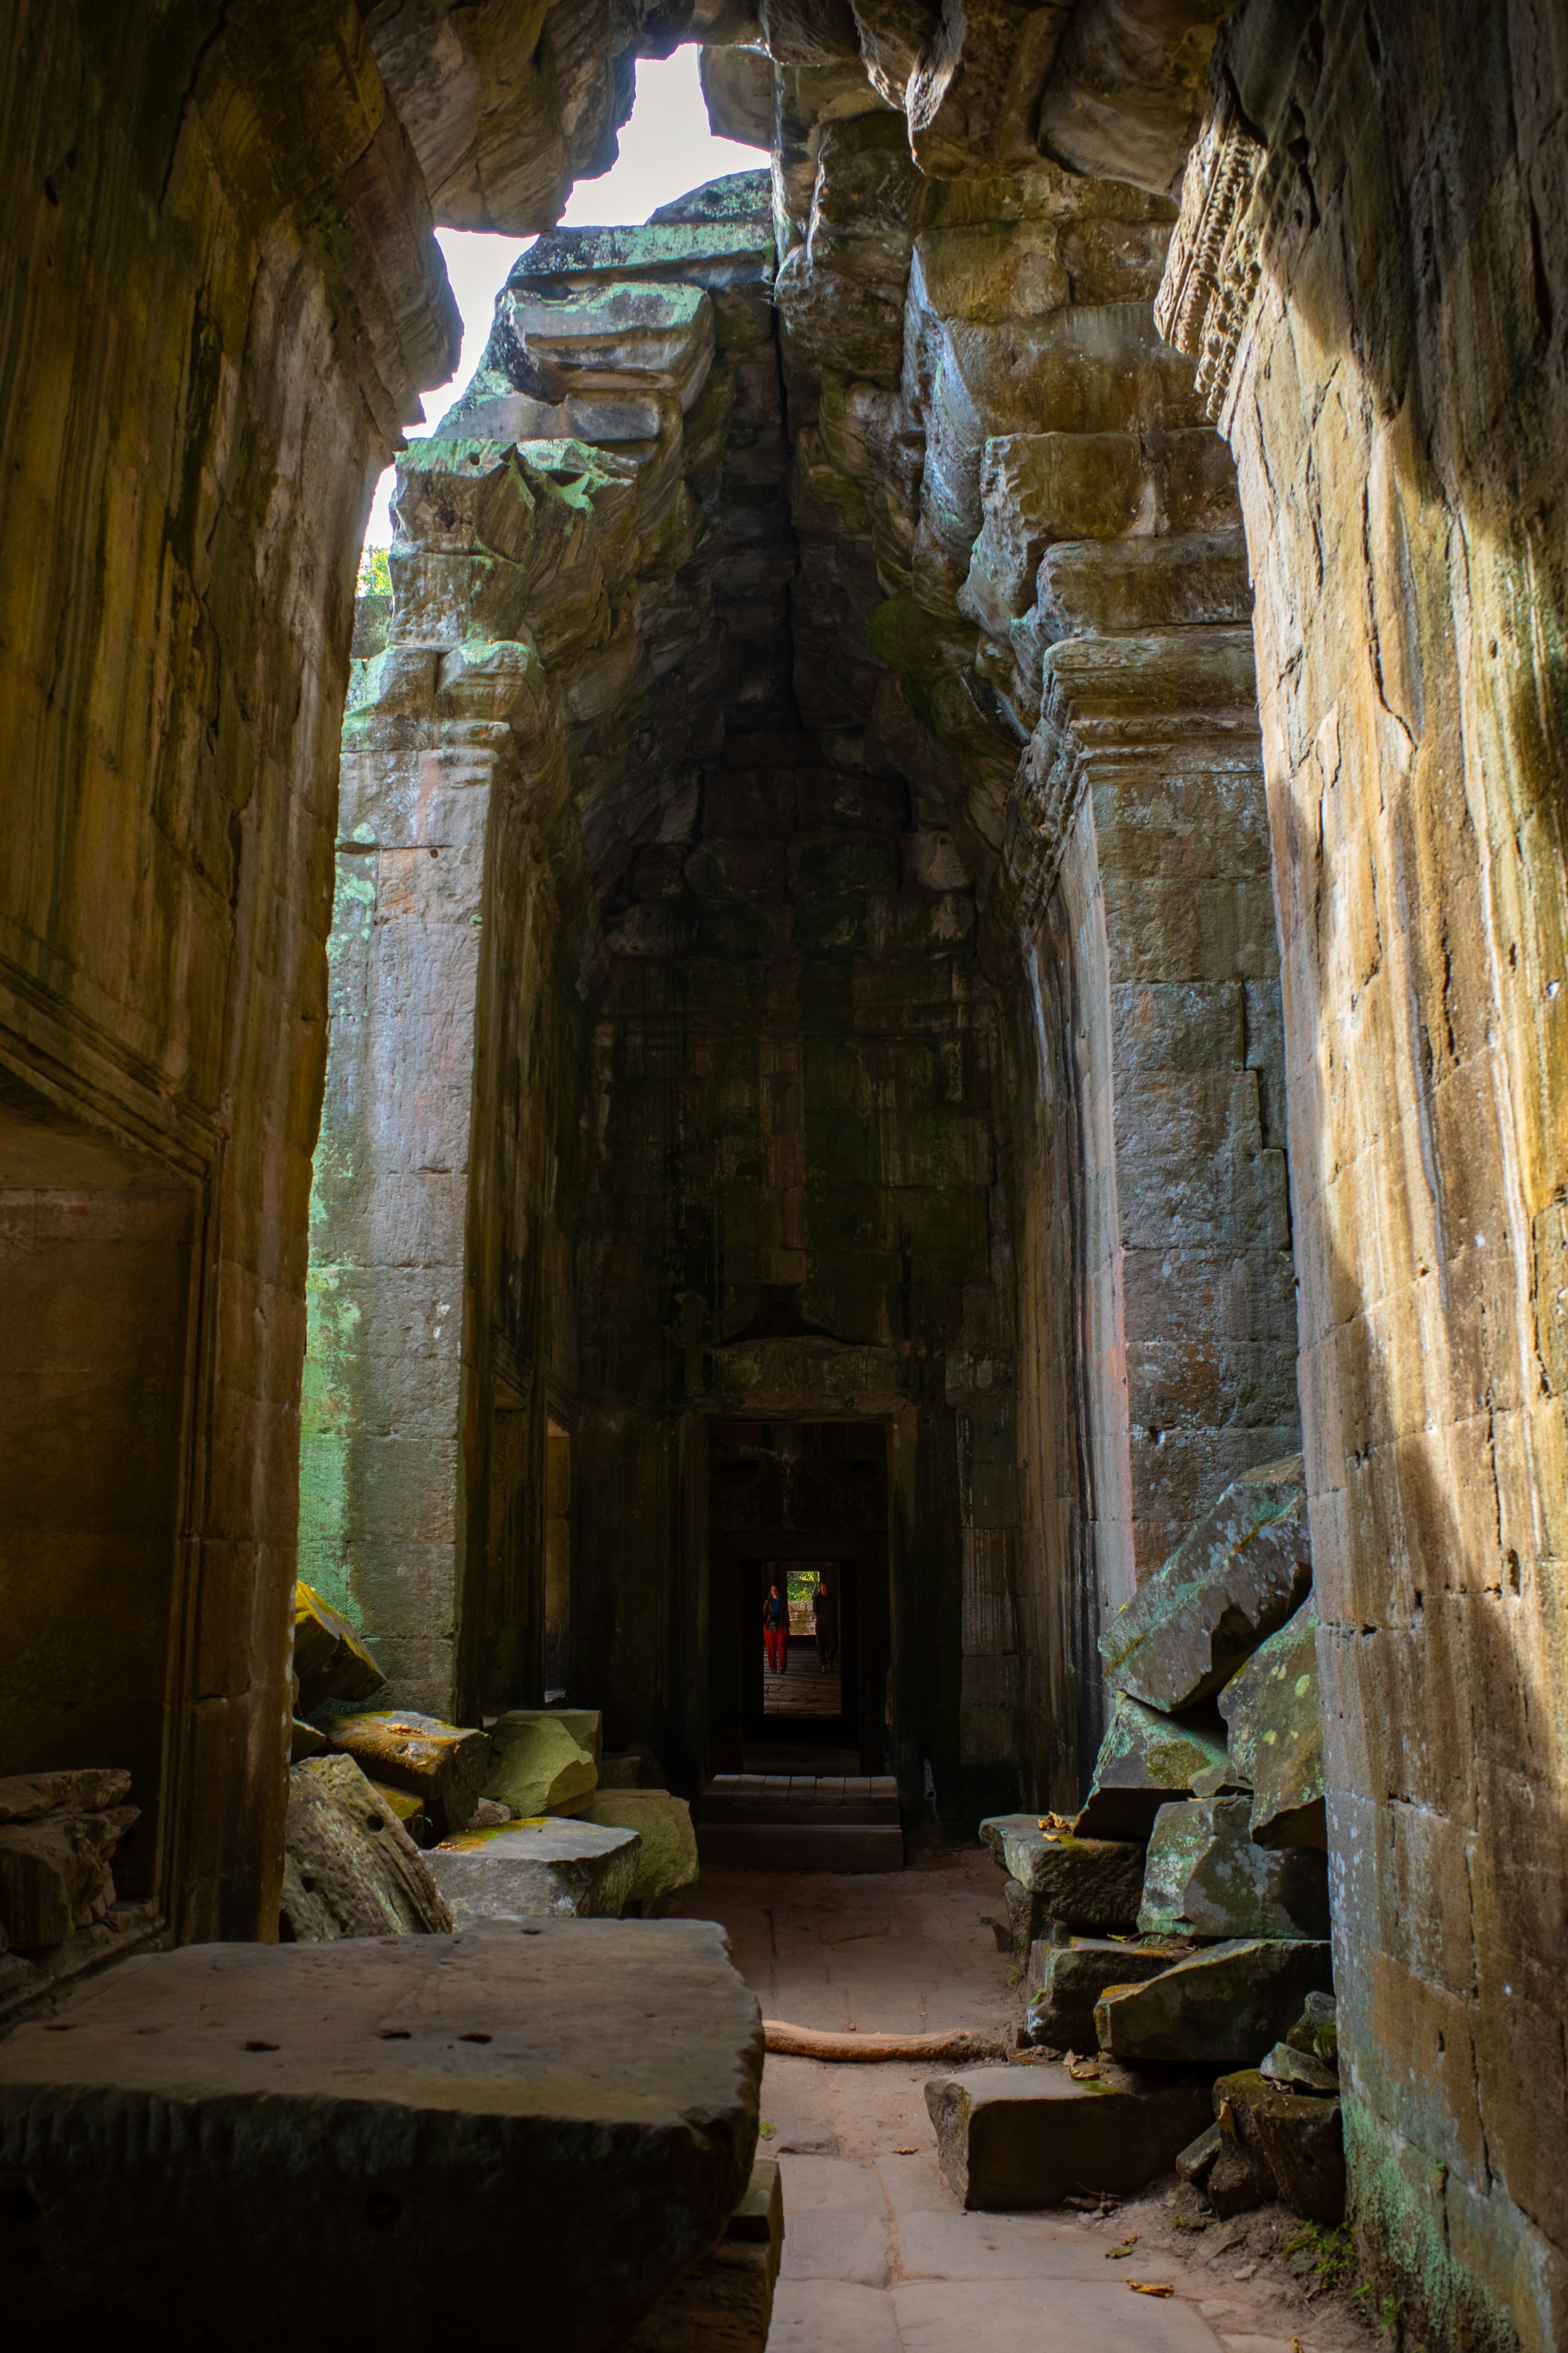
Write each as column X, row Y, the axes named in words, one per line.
column 1068, row 1979
column 667, row 1856
column 1146, row 1759
column 27, row 1797
column 538, row 1870
column 1236, row 2183
column 724, row 2304
column 329, row 1660
column 1029, row 2137
column 350, row 1868
column 1086, row 1884
column 55, row 1874
column 1293, row 2139
column 258, row 2131
column 1219, row 2007
column 1232, row 1580
column 537, row 1765
column 443, row 1765
column 306, row 1740
column 1204, row 1877
column 1193, row 2162
column 1274, row 1711
column 1319, row 2010
column 1299, row 2071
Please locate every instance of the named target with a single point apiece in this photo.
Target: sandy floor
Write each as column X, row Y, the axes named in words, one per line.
column 878, row 2257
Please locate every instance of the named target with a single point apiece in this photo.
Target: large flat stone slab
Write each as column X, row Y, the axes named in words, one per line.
column 1026, row 2137
column 233, row 2136
column 1204, row 1877
column 1086, row 1884
column 1231, row 1581
column 1224, row 2007
column 1275, row 1713
column 528, row 1871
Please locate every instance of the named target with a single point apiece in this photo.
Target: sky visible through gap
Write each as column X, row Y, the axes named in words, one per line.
column 667, row 148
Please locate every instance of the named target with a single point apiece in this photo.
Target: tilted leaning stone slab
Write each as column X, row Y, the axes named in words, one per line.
column 1066, row 1982
column 232, row 2135
column 1225, row 2007
column 1204, row 1877
column 1275, row 1713
column 528, row 1871
column 1022, row 2136
column 1240, row 1573
column 1146, row 1758
column 1083, row 1882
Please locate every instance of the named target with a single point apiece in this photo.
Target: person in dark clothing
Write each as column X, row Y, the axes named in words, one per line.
column 825, row 1609
column 775, row 1629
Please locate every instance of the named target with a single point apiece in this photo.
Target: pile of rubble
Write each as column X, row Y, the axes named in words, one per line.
column 1174, row 1933
column 400, row 1824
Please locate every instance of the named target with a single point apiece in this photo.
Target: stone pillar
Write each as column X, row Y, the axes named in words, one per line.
column 1372, row 266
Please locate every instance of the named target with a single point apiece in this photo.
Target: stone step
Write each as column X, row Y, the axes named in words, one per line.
column 805, row 1798
column 801, row 1846
column 263, row 2131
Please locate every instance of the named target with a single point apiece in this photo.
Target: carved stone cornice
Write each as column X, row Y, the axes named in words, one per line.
column 1213, row 263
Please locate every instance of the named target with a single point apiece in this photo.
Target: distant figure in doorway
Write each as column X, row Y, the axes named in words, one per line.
column 825, row 1606
column 775, row 1629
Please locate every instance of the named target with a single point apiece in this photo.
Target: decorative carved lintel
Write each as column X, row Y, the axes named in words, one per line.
column 1214, row 262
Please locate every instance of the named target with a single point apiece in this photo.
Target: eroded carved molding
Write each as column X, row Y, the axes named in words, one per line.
column 1214, row 261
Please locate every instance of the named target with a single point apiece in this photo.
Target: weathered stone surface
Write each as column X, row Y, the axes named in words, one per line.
column 1320, row 2010
column 1297, row 2071
column 724, row 2303
column 538, row 1765
column 1239, row 1574
column 1293, row 2140
column 666, row 1852
column 536, row 1870
column 1087, row 1883
column 1066, row 1980
column 443, row 1765
column 1194, row 2161
column 350, row 1868
column 586, row 1726
column 1274, row 1711
column 1236, row 2181
column 1221, row 2007
column 329, row 1660
column 1145, row 1760
column 216, row 2111
column 1028, row 2137
column 27, row 1797
column 56, row 1872
column 1204, row 1877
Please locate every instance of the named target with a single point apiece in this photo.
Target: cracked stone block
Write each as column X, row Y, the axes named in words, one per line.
column 27, row 1797
column 1274, row 1711
column 329, row 1660
column 666, row 1857
column 1066, row 1980
column 1299, row 2071
column 1027, row 2136
column 1204, row 1877
column 262, row 2130
column 1145, row 1759
column 1086, row 1884
column 1294, row 2139
column 55, row 1874
column 528, row 1871
column 1239, row 1575
column 350, row 1868
column 1221, row 2006
column 538, row 1765
column 443, row 1765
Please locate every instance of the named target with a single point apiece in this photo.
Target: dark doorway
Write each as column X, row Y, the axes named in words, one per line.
column 801, row 1504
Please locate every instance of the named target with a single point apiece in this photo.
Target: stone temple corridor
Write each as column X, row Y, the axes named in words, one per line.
column 783, row 1261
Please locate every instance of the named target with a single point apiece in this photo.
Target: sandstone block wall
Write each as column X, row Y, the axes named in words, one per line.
column 1379, row 305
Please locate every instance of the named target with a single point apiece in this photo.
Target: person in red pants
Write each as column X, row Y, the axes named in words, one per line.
column 775, row 1629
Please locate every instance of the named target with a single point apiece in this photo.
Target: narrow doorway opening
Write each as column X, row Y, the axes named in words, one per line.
column 557, row 1559
column 798, row 1612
